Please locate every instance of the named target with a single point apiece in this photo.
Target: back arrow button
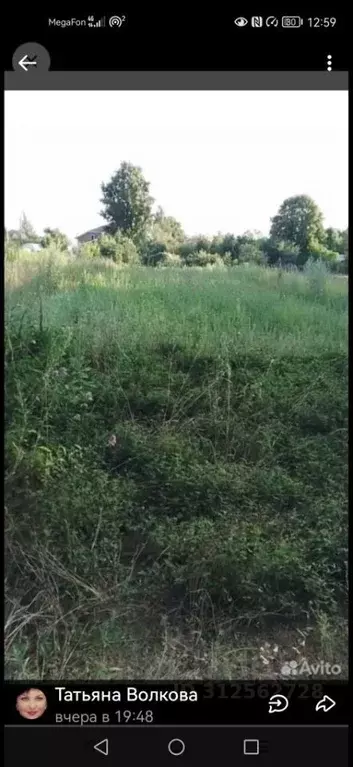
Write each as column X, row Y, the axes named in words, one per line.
column 25, row 62
column 102, row 747
column 31, row 57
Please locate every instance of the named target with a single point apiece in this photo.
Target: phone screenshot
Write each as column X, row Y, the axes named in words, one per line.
column 176, row 388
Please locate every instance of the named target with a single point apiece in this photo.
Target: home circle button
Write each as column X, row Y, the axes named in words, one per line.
column 176, row 747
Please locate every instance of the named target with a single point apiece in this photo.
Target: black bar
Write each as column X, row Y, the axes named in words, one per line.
column 217, row 703
column 178, row 37
column 276, row 746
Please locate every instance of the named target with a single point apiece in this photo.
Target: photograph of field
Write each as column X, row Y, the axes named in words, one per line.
column 176, row 386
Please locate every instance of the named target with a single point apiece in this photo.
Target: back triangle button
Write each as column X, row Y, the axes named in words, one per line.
column 102, row 747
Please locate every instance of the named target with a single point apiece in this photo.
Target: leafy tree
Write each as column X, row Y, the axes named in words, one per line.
column 26, row 231
column 225, row 244
column 55, row 238
column 193, row 245
column 337, row 240
column 251, row 251
column 167, row 230
column 127, row 202
column 299, row 221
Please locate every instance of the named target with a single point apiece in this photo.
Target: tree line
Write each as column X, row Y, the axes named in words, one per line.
column 134, row 233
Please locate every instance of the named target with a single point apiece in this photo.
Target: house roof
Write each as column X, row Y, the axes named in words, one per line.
column 94, row 230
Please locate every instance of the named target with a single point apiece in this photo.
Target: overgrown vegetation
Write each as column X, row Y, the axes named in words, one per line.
column 176, row 465
column 134, row 234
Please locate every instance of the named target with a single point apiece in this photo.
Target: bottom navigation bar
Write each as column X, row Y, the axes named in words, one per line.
column 273, row 746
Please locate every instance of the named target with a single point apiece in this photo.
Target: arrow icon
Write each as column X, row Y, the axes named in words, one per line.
column 325, row 703
column 102, row 747
column 277, row 703
column 26, row 62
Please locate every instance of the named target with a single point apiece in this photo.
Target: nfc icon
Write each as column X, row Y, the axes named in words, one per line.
column 257, row 21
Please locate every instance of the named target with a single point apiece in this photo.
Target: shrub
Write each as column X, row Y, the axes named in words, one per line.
column 251, row 251
column 202, row 258
column 89, row 250
column 55, row 238
column 126, row 250
column 119, row 248
column 227, row 259
column 12, row 251
column 153, row 253
column 226, row 244
column 171, row 259
column 340, row 267
column 193, row 245
column 317, row 251
column 317, row 272
column 281, row 252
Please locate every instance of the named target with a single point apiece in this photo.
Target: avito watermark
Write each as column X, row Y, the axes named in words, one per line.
column 301, row 668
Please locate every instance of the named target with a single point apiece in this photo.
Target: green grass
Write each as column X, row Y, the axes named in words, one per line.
column 215, row 528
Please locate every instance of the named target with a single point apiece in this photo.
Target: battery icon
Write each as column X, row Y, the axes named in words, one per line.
column 291, row 22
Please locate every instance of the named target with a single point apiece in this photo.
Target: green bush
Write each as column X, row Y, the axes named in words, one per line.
column 251, row 251
column 119, row 248
column 12, row 251
column 171, row 259
column 317, row 272
column 193, row 245
column 153, row 253
column 55, row 238
column 89, row 250
column 340, row 267
column 202, row 258
column 282, row 253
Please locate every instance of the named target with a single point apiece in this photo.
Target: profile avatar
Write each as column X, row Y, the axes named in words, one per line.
column 31, row 703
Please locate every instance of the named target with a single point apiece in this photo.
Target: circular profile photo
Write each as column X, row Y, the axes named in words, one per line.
column 31, row 703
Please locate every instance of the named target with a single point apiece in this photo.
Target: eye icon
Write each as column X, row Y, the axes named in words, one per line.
column 240, row 21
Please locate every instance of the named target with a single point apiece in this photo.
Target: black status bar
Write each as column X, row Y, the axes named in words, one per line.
column 176, row 38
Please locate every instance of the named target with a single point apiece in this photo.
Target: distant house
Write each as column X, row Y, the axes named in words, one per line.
column 92, row 234
column 32, row 247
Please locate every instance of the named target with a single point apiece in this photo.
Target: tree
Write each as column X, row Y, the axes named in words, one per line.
column 192, row 245
column 56, row 238
column 167, row 230
column 299, row 222
column 24, row 233
column 225, row 245
column 336, row 240
column 26, row 230
column 251, row 251
column 127, row 202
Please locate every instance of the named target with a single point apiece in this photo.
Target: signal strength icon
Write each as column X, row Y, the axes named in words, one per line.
column 92, row 23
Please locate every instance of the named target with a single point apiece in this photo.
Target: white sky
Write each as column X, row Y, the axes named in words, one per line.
column 217, row 160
